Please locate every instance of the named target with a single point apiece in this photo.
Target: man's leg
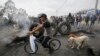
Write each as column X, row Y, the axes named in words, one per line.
column 92, row 26
column 79, row 25
column 41, row 39
column 46, row 45
column 45, row 42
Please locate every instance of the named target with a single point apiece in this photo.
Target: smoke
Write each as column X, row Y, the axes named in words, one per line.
column 23, row 23
column 6, row 35
column 19, row 28
column 8, row 32
column 15, row 22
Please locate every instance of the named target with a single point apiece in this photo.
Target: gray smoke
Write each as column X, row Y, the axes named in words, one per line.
column 6, row 35
column 8, row 32
column 13, row 22
column 20, row 27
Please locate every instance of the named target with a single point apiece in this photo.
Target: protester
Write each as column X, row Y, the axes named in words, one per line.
column 79, row 19
column 99, row 18
column 45, row 26
column 92, row 22
column 87, row 20
column 70, row 19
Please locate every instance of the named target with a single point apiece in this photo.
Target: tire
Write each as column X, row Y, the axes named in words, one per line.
column 64, row 31
column 55, row 44
column 28, row 50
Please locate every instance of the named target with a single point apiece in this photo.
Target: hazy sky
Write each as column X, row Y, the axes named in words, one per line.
column 63, row 7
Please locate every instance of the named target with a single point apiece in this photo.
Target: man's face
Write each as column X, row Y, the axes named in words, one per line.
column 43, row 19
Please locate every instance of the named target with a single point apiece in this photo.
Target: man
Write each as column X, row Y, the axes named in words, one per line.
column 93, row 20
column 87, row 20
column 45, row 27
column 70, row 19
column 79, row 19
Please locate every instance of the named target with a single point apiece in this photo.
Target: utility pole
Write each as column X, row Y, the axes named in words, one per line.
column 96, row 5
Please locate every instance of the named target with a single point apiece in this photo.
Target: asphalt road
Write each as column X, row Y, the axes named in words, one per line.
column 65, row 50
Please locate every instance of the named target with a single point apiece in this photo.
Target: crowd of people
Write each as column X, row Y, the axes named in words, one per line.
column 79, row 21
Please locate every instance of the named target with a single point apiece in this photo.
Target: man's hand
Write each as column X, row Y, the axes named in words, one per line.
column 30, row 33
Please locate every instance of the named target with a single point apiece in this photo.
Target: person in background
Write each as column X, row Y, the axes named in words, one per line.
column 73, row 20
column 61, row 18
column 79, row 19
column 70, row 19
column 99, row 18
column 87, row 20
column 92, row 22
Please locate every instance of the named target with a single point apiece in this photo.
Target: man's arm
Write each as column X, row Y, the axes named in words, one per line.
column 37, row 28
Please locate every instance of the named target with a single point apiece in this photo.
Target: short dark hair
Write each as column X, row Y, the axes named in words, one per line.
column 42, row 15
